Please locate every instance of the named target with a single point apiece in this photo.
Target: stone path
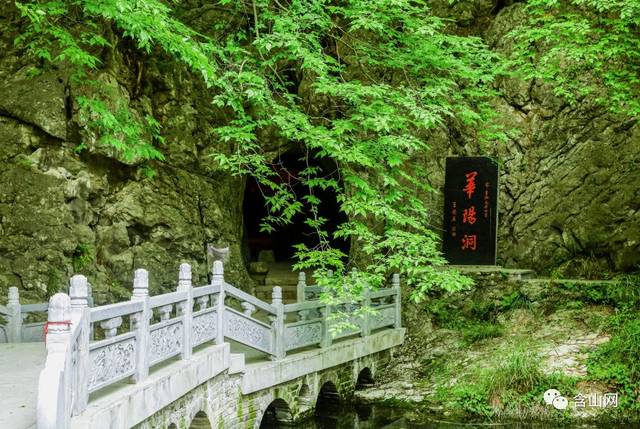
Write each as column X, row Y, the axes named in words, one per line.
column 20, row 365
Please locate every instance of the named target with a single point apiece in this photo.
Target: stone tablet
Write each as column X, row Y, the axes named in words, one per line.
column 470, row 211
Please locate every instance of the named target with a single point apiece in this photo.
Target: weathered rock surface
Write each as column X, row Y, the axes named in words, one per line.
column 62, row 212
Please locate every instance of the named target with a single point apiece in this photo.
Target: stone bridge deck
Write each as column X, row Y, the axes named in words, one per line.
column 211, row 348
column 20, row 366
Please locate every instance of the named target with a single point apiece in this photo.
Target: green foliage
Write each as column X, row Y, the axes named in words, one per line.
column 470, row 399
column 480, row 331
column 115, row 292
column 382, row 75
column 363, row 83
column 616, row 362
column 360, row 82
column 118, row 129
column 622, row 292
column 83, row 256
column 625, row 292
column 519, row 372
column 584, row 48
column 514, row 300
column 75, row 33
column 514, row 381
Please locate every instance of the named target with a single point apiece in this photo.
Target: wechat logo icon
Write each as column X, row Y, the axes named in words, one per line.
column 555, row 398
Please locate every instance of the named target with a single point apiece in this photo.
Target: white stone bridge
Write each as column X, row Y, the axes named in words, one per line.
column 209, row 356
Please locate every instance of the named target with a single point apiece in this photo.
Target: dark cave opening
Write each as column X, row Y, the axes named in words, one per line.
column 282, row 240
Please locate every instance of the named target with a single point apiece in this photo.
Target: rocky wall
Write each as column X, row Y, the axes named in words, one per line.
column 64, row 212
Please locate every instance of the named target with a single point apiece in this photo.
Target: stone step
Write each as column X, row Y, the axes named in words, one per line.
column 541, row 280
column 510, row 273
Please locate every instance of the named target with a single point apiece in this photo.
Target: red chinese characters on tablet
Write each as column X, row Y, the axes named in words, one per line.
column 470, row 242
column 470, row 187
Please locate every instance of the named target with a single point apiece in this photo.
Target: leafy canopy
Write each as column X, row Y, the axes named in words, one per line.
column 584, row 48
column 363, row 83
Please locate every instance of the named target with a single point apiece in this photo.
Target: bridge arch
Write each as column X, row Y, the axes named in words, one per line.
column 365, row 378
column 200, row 421
column 276, row 414
column 327, row 404
column 328, row 395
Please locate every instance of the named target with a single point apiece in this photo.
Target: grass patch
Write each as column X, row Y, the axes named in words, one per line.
column 511, row 384
column 617, row 362
column 622, row 292
column 514, row 300
column 83, row 256
column 481, row 331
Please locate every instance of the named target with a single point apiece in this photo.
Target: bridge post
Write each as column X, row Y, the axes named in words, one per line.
column 395, row 283
column 366, row 303
column 217, row 279
column 278, row 324
column 79, row 294
column 54, row 394
column 301, row 287
column 326, row 339
column 140, row 324
column 14, row 319
column 185, row 309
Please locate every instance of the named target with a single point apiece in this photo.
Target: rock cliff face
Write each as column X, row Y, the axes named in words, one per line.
column 569, row 191
column 569, row 186
column 63, row 212
column 569, row 198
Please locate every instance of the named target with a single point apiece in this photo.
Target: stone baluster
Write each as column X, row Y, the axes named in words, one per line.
column 366, row 317
column 140, row 324
column 79, row 294
column 303, row 315
column 330, row 275
column 14, row 319
column 278, row 324
column 247, row 308
column 217, row 279
column 185, row 308
column 354, row 279
column 110, row 326
column 165, row 312
column 91, row 303
column 90, row 300
column 202, row 302
column 54, row 394
column 326, row 339
column 301, row 287
column 395, row 283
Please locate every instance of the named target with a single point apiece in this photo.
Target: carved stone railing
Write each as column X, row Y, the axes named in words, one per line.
column 62, row 387
column 380, row 309
column 15, row 330
column 89, row 349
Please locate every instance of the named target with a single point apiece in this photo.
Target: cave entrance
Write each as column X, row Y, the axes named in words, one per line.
column 277, row 246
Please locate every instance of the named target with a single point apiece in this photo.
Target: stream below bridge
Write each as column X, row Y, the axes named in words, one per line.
column 352, row 416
